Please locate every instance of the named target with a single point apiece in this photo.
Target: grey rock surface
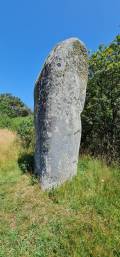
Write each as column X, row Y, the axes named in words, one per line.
column 59, row 100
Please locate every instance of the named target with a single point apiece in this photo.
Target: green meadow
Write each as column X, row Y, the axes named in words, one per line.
column 79, row 219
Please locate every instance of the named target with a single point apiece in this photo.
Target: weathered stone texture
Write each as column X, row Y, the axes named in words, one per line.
column 59, row 99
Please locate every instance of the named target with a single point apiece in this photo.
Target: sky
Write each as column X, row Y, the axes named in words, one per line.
column 29, row 29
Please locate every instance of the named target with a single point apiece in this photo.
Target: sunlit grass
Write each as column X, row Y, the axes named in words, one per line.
column 9, row 147
column 79, row 219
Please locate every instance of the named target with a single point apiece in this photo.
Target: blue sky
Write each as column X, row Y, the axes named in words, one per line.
column 30, row 28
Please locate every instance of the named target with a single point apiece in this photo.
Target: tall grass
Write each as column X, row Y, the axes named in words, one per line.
column 9, row 147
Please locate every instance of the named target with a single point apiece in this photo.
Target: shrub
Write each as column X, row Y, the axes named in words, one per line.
column 5, row 121
column 23, row 126
column 25, row 129
column 13, row 106
column 101, row 115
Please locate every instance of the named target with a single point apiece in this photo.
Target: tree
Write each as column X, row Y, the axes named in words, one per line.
column 101, row 115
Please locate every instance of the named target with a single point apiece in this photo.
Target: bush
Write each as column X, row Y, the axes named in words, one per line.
column 13, row 106
column 23, row 126
column 101, row 115
column 5, row 121
column 25, row 129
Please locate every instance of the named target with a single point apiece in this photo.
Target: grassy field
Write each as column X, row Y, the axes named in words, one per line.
column 80, row 219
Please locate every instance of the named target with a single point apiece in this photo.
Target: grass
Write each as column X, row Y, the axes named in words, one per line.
column 79, row 219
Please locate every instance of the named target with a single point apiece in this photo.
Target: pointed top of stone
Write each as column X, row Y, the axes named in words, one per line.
column 71, row 40
column 71, row 49
column 70, row 43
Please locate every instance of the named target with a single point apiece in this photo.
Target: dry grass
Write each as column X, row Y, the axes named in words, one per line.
column 8, row 146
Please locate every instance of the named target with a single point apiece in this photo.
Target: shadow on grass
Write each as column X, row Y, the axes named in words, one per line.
column 26, row 162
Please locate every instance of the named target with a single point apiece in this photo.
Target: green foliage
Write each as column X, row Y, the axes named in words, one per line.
column 23, row 126
column 25, row 129
column 15, row 116
column 101, row 115
column 12, row 106
column 5, row 121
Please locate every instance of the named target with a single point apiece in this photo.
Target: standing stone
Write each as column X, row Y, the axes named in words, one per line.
column 59, row 100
